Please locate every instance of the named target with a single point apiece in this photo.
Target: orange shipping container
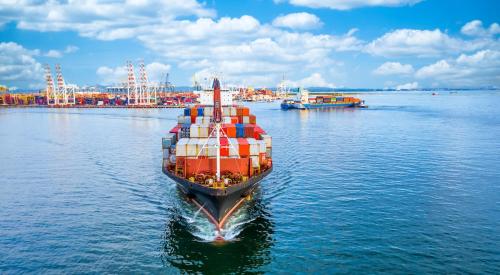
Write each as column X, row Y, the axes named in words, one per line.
column 209, row 166
column 194, row 112
column 229, row 129
column 244, row 147
column 245, row 111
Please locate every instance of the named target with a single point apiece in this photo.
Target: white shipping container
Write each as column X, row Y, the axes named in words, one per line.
column 208, row 111
column 267, row 139
column 226, row 111
column 255, row 161
column 203, row 147
column 194, row 131
column 226, row 120
column 212, row 150
column 262, row 146
column 254, row 147
column 233, row 111
column 192, row 147
column 203, row 131
column 181, row 147
column 246, row 119
column 234, row 149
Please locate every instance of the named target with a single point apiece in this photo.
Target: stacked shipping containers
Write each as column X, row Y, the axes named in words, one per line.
column 245, row 147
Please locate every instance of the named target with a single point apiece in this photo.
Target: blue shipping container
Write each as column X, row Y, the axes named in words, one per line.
column 240, row 130
column 200, row 111
column 187, row 112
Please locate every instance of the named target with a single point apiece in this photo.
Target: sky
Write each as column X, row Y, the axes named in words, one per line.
column 402, row 44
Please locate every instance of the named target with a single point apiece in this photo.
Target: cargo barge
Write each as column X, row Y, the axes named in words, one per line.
column 302, row 101
column 217, row 155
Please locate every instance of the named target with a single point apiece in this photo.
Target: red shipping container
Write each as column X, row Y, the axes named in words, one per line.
column 224, row 147
column 176, row 129
column 249, row 130
column 193, row 118
column 244, row 147
column 253, row 119
column 234, row 119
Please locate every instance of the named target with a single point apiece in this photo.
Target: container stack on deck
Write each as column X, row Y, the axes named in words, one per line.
column 245, row 148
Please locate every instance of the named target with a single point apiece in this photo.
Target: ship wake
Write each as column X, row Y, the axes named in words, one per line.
column 205, row 231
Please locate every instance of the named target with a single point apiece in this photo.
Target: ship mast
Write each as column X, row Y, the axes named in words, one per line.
column 217, row 120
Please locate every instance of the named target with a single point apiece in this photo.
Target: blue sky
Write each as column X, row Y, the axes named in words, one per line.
column 335, row 43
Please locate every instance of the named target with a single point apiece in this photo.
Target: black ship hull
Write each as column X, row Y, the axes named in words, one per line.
column 217, row 204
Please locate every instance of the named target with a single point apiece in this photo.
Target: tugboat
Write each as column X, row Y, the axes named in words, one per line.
column 217, row 154
column 302, row 101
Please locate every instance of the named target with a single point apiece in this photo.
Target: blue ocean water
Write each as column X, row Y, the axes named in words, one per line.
column 409, row 185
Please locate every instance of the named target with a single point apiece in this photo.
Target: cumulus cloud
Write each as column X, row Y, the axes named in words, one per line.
column 475, row 28
column 433, row 43
column 71, row 49
column 101, row 19
column 300, row 20
column 18, row 66
column 118, row 75
column 480, row 69
column 53, row 54
column 414, row 42
column 407, row 86
column 156, row 71
column 349, row 4
column 314, row 80
column 393, row 68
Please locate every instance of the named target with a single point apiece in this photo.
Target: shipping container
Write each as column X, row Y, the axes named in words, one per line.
column 267, row 139
column 192, row 147
column 233, row 147
column 181, row 147
column 224, row 150
column 254, row 147
column 240, row 130
column 243, row 147
column 187, row 112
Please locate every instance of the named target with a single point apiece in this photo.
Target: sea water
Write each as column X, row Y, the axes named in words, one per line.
column 409, row 185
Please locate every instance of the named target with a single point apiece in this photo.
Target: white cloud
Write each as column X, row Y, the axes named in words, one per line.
column 475, row 28
column 414, row 42
column 94, row 18
column 407, row 86
column 110, row 76
column 155, row 71
column 393, row 68
column 476, row 70
column 71, row 49
column 18, row 66
column 314, row 80
column 349, row 4
column 53, row 54
column 300, row 20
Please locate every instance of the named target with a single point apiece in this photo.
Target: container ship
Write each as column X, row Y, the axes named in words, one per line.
column 217, row 154
column 302, row 101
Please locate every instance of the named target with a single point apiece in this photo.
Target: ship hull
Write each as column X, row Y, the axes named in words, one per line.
column 305, row 106
column 217, row 204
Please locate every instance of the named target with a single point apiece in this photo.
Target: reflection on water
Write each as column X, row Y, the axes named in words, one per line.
column 185, row 250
